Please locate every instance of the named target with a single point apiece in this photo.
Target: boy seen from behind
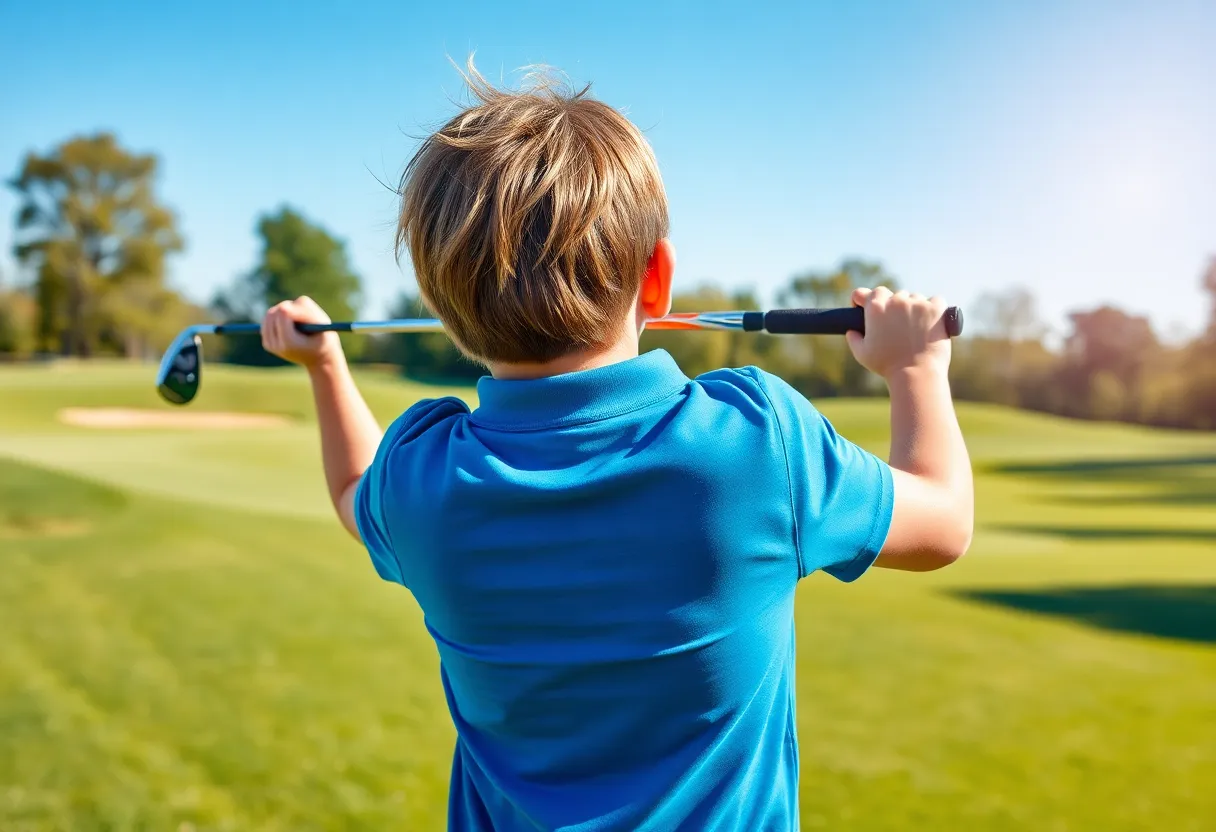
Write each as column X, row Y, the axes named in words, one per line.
column 605, row 550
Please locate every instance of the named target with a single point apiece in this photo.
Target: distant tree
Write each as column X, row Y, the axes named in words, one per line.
column 1200, row 391
column 424, row 356
column 1200, row 365
column 821, row 365
column 1209, row 286
column 298, row 258
column 1009, row 315
column 432, row 357
column 144, row 317
column 91, row 231
column 835, row 287
column 1163, row 394
column 700, row 352
column 18, row 314
column 1003, row 322
column 1103, row 359
column 971, row 370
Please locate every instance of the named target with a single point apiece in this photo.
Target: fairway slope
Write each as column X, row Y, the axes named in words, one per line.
column 39, row 503
column 125, row 418
column 191, row 641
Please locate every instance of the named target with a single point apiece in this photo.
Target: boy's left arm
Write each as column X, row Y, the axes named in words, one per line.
column 350, row 434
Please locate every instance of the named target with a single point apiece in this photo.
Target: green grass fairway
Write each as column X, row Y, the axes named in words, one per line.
column 190, row 641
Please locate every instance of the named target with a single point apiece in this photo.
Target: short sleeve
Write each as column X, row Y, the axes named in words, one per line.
column 842, row 495
column 370, row 500
column 384, row 484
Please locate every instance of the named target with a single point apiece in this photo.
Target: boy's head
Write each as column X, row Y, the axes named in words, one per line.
column 537, row 224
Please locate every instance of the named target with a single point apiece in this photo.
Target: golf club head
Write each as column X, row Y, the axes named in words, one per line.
column 181, row 369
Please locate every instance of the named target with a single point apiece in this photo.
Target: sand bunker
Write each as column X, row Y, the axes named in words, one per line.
column 120, row 418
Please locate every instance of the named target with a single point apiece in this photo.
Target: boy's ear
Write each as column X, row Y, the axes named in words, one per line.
column 655, row 297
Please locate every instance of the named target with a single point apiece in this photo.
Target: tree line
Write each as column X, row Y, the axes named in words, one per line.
column 92, row 241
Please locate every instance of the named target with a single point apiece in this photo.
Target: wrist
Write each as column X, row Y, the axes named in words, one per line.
column 327, row 364
column 917, row 375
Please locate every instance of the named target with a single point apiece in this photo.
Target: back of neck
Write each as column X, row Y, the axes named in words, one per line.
column 622, row 350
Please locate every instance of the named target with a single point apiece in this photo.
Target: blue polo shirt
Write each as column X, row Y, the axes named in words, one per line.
column 607, row 561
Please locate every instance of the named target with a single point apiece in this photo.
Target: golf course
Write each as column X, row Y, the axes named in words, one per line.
column 192, row 642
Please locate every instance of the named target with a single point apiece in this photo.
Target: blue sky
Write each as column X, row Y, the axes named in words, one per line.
column 969, row 146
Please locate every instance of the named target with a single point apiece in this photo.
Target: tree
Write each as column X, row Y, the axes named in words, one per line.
column 424, row 356
column 1209, row 286
column 89, row 227
column 1005, row 322
column 821, row 365
column 432, row 357
column 1107, row 348
column 700, row 352
column 1200, row 365
column 1010, row 315
column 835, row 288
column 17, row 316
column 298, row 258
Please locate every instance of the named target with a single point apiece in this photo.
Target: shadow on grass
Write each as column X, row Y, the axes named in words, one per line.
column 1113, row 533
column 1185, row 612
column 1158, row 480
column 1088, row 468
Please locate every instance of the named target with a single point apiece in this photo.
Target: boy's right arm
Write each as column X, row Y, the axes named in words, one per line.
column 933, row 514
column 350, row 435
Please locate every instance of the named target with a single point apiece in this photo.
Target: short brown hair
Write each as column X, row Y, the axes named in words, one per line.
column 530, row 218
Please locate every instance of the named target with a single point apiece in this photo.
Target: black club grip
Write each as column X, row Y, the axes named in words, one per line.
column 828, row 321
column 313, row 329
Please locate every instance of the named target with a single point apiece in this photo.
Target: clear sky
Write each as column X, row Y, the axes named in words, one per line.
column 1069, row 147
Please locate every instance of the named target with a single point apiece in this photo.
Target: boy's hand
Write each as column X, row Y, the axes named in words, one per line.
column 280, row 336
column 903, row 331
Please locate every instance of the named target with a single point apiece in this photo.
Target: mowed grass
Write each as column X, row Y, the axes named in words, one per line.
column 191, row 642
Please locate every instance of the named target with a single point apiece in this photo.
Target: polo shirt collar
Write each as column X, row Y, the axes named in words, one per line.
column 579, row 397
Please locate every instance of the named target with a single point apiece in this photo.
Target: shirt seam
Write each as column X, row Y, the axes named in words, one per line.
column 532, row 427
column 872, row 548
column 789, row 476
column 388, row 533
column 874, row 545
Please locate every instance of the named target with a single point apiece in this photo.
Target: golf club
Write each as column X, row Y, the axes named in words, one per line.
column 181, row 367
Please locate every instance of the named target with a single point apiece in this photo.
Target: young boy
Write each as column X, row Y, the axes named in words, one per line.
column 605, row 550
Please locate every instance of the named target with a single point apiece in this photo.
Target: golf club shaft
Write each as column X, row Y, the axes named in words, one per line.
column 777, row 322
column 177, row 380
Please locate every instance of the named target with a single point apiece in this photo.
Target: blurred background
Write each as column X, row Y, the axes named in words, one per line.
column 192, row 643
